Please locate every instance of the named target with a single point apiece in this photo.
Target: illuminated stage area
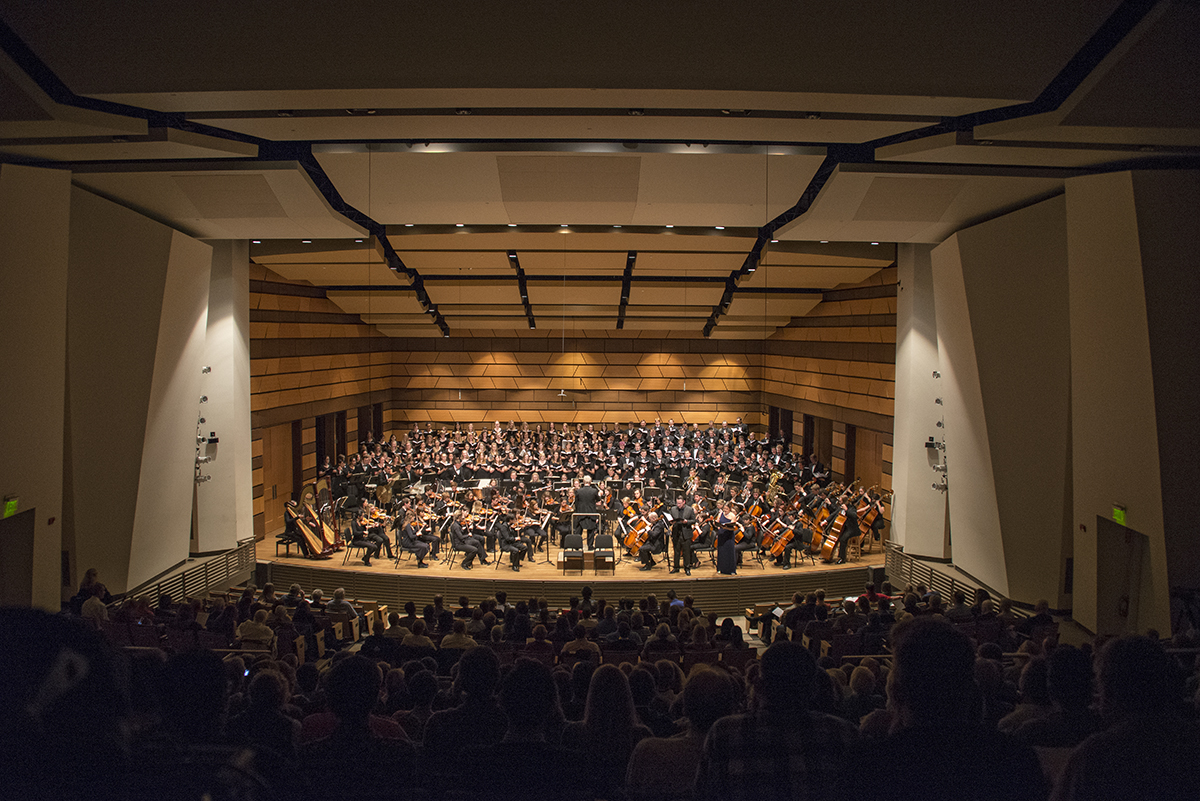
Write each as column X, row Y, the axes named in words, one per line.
column 726, row 595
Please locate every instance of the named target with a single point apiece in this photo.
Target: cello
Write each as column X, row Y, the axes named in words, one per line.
column 639, row 532
column 829, row 546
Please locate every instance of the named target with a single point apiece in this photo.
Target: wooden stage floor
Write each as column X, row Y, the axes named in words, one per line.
column 727, row 595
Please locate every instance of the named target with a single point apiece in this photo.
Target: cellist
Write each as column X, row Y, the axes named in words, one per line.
column 656, row 541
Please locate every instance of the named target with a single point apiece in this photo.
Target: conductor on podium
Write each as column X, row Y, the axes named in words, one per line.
column 586, row 516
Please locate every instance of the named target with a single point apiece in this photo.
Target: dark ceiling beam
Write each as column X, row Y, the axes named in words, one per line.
column 521, row 286
column 626, row 277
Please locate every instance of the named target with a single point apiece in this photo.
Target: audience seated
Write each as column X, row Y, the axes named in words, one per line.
column 780, row 749
column 665, row 767
column 937, row 750
column 946, row 722
column 333, row 763
column 1151, row 746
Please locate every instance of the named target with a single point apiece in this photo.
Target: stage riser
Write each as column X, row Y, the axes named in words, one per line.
column 729, row 595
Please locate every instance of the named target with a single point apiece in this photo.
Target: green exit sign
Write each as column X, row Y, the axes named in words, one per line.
column 1119, row 514
column 11, row 503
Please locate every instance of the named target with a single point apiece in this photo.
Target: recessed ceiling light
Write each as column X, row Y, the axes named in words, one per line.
column 824, row 241
column 512, row 225
column 670, row 226
column 408, row 225
column 458, row 225
column 773, row 241
column 306, row 241
column 358, row 240
column 874, row 243
column 720, row 228
column 564, row 225
column 256, row 241
column 616, row 226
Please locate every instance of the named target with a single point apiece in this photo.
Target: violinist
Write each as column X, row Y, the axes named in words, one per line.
column 374, row 524
column 656, row 541
column 471, row 546
column 359, row 538
column 425, row 533
column 409, row 539
column 510, row 542
column 534, row 531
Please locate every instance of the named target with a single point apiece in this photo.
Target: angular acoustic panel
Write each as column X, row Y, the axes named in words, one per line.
column 390, row 302
column 557, row 293
column 961, row 147
column 672, row 293
column 856, row 206
column 789, row 277
column 688, row 264
column 207, row 199
column 569, row 262
column 481, row 291
column 456, row 262
column 575, row 189
column 341, row 274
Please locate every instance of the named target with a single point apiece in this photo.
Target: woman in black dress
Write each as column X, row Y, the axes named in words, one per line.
column 726, row 548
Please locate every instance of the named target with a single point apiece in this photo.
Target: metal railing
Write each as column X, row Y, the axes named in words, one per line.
column 216, row 571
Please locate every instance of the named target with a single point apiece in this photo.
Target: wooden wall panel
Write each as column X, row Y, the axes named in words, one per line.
column 308, row 358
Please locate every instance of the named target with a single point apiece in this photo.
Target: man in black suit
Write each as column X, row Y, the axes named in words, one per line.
column 586, row 498
column 471, row 546
column 510, row 542
column 682, row 518
column 655, row 541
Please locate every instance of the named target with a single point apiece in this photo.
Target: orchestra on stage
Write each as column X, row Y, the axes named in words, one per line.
column 511, row 492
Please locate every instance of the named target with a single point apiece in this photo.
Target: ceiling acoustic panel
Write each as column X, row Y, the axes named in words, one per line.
column 960, row 147
column 457, row 262
column 853, row 207
column 804, row 277
column 505, row 291
column 410, row 330
column 662, row 263
column 341, row 274
column 225, row 200
column 672, row 293
column 569, row 262
column 579, row 189
column 783, row 307
column 401, row 302
column 557, row 293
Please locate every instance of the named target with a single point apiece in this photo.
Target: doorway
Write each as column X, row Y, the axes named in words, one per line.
column 1120, row 564
column 277, row 476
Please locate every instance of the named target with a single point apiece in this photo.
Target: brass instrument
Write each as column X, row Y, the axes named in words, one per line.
column 773, row 487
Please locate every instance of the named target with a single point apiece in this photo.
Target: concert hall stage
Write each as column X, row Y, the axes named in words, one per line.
column 726, row 595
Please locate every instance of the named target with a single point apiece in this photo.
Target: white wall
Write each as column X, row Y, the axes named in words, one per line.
column 918, row 510
column 1115, row 429
column 34, row 220
column 225, row 504
column 1004, row 343
column 136, row 298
